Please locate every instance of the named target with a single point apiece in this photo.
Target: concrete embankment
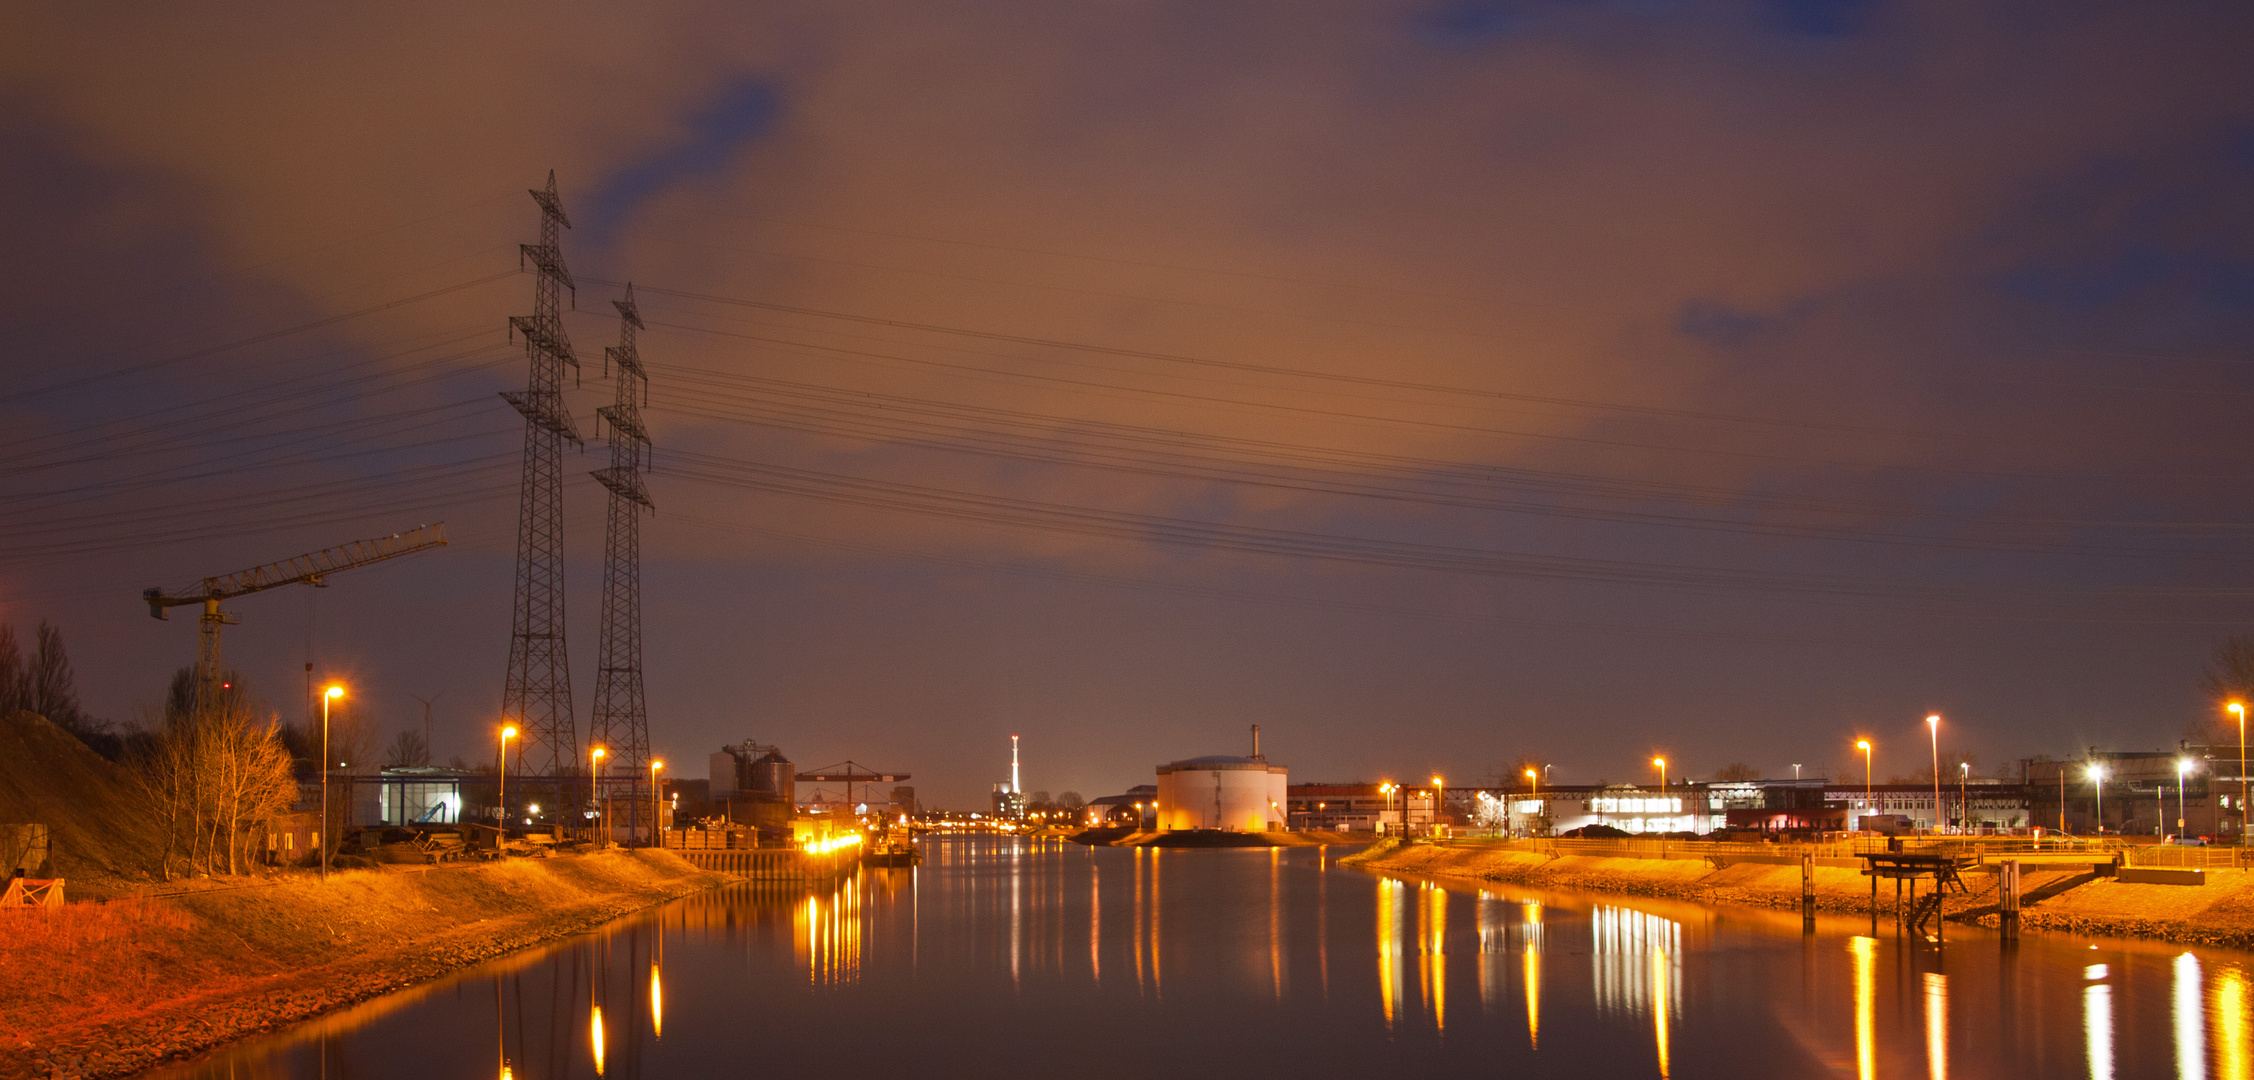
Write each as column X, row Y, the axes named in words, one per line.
column 2065, row 896
column 99, row 990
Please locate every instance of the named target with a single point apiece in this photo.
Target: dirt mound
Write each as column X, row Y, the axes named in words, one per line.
column 99, row 839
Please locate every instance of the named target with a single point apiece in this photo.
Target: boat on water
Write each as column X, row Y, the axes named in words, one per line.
column 898, row 848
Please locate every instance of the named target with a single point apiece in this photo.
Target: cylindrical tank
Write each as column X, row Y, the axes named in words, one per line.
column 1235, row 793
column 771, row 779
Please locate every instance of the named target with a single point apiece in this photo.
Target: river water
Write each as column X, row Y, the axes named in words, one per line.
column 1005, row 957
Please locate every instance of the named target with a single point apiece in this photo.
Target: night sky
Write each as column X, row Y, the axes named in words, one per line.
column 1431, row 384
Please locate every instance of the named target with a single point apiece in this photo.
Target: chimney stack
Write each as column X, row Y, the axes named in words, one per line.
column 1256, row 743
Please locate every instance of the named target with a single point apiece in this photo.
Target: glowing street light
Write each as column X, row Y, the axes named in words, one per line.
column 2182, row 766
column 508, row 731
column 595, row 786
column 1386, row 789
column 1964, row 805
column 2096, row 773
column 657, row 839
column 2240, row 710
column 1934, row 722
column 327, row 696
column 1864, row 745
column 1439, row 799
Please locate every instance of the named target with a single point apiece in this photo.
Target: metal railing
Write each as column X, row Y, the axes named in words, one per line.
column 2193, row 858
column 1982, row 846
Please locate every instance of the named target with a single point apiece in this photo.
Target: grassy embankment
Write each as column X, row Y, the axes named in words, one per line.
column 2220, row 912
column 97, row 990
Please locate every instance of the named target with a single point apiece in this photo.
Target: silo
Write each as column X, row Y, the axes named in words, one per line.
column 772, row 786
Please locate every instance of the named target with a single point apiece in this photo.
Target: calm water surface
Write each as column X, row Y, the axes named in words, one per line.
column 1005, row 957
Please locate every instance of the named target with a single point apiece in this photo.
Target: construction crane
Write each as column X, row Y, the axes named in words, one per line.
column 309, row 569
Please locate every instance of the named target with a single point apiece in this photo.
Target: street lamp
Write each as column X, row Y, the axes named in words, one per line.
column 1964, row 811
column 327, row 696
column 1386, row 790
column 1934, row 722
column 1534, row 779
column 1864, row 745
column 2182, row 767
column 2096, row 773
column 657, row 839
column 595, row 788
column 2240, row 710
column 1439, row 799
column 508, row 731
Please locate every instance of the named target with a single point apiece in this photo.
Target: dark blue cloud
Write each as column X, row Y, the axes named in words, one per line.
column 740, row 115
column 1717, row 323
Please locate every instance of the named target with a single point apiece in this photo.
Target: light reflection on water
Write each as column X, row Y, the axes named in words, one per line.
column 994, row 954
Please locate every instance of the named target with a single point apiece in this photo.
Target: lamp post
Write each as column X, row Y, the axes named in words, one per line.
column 1385, row 790
column 2240, row 710
column 1934, row 722
column 2182, row 767
column 595, row 788
column 1439, row 798
column 1964, row 805
column 508, row 731
column 657, row 839
column 327, row 696
column 2096, row 774
column 1864, row 745
column 1535, row 779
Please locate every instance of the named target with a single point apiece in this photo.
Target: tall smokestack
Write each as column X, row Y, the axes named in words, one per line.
column 1256, row 742
column 1014, row 789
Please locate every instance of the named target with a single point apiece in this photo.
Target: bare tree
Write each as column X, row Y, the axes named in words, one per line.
column 15, row 678
column 1071, row 801
column 1736, row 771
column 212, row 779
column 2229, row 677
column 406, row 748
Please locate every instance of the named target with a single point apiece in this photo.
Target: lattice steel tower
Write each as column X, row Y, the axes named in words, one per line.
column 537, row 698
column 621, row 721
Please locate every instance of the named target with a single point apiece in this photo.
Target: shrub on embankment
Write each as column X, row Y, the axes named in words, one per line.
column 112, row 988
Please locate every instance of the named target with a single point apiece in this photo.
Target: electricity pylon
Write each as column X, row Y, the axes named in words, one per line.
column 621, row 718
column 537, row 695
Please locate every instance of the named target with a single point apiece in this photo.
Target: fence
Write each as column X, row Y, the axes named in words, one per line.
column 1988, row 846
column 2192, row 858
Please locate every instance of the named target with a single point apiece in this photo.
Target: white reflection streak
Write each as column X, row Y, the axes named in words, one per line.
column 1865, row 954
column 2097, row 1022
column 1937, row 1025
column 2191, row 1021
column 1017, row 885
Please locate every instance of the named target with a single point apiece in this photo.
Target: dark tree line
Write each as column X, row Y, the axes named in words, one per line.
column 42, row 683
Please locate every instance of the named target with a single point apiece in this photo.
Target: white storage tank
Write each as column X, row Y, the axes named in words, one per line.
column 1240, row 794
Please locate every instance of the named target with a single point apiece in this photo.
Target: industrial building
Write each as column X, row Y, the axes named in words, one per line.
column 1240, row 794
column 754, row 785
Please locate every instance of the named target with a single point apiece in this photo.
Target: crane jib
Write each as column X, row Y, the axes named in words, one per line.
column 308, row 568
